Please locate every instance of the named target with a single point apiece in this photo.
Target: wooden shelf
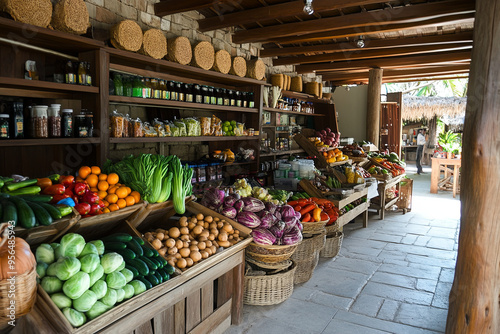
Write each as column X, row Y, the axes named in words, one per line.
column 281, row 153
column 177, row 104
column 305, row 97
column 49, row 141
column 179, row 139
column 290, row 112
column 46, row 87
column 139, row 61
column 239, row 163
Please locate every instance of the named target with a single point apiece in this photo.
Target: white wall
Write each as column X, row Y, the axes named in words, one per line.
column 351, row 108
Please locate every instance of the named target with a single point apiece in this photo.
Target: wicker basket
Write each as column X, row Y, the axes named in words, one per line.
column 222, row 62
column 179, row 50
column 127, row 35
column 305, row 269
column 306, row 249
column 269, row 289
column 35, row 12
column 296, row 84
column 332, row 229
column 25, row 296
column 270, row 254
column 71, row 16
column 278, row 80
column 314, row 227
column 239, row 67
column 154, row 44
column 332, row 245
column 312, row 88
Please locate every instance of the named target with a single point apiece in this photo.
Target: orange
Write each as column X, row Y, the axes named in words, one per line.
column 121, row 192
column 112, row 189
column 96, row 170
column 128, row 190
column 92, row 180
column 121, row 203
column 84, row 171
column 136, row 196
column 103, row 185
column 130, row 200
column 102, row 194
column 105, row 210
column 113, row 207
column 113, row 178
column 112, row 198
column 103, row 177
column 106, row 204
column 94, row 190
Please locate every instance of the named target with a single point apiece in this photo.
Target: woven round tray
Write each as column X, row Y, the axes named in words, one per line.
column 308, row 247
column 332, row 245
column 269, row 254
column 314, row 227
column 276, row 266
column 269, row 289
column 24, row 298
column 305, row 269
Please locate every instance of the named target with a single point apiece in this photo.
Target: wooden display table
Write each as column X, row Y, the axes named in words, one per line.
column 358, row 210
column 382, row 187
column 436, row 173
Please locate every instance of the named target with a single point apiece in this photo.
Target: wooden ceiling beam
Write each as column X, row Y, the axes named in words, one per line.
column 278, row 11
column 408, row 14
column 167, row 7
column 461, row 37
column 433, row 58
column 375, row 29
column 392, row 80
column 377, row 53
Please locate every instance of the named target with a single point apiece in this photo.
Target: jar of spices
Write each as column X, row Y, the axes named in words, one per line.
column 206, row 95
column 225, row 95
column 67, row 123
column 4, row 126
column 54, row 121
column 198, row 97
column 39, row 122
column 188, row 92
column 219, row 96
column 81, row 128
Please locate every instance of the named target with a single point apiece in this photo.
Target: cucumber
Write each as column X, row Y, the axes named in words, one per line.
column 150, row 264
column 26, row 216
column 1, row 183
column 159, row 277
column 141, row 267
column 6, row 179
column 64, row 209
column 4, row 196
column 132, row 269
column 9, row 212
column 145, row 281
column 52, row 210
column 32, row 190
column 169, row 269
column 37, row 198
column 118, row 237
column 162, row 260
column 127, row 254
column 152, row 278
column 156, row 261
column 135, row 247
column 163, row 274
column 41, row 215
column 11, row 186
column 147, row 251
column 139, row 240
column 114, row 246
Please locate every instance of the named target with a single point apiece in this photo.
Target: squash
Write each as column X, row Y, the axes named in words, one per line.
column 25, row 260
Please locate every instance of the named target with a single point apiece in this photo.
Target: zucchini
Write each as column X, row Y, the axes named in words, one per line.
column 147, row 251
column 135, row 247
column 132, row 269
column 41, row 215
column 32, row 190
column 26, row 216
column 139, row 240
column 162, row 260
column 156, row 261
column 6, row 179
column 64, row 209
column 118, row 237
column 169, row 269
column 37, row 198
column 126, row 253
column 158, row 277
column 11, row 186
column 114, row 246
column 9, row 212
column 141, row 267
column 163, row 274
column 53, row 212
column 152, row 278
column 145, row 281
column 149, row 263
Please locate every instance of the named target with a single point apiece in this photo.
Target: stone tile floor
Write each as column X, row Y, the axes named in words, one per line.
column 392, row 277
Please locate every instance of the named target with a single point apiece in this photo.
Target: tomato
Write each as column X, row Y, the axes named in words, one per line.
column 55, row 189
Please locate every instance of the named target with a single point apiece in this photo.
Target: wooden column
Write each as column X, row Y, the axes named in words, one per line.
column 474, row 297
column 373, row 110
column 432, row 132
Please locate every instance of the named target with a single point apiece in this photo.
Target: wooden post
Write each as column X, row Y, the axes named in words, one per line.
column 474, row 297
column 373, row 110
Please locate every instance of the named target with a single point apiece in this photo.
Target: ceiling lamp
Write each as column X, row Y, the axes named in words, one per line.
column 308, row 8
column 360, row 43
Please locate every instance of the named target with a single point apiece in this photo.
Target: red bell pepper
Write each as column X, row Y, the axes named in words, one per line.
column 69, row 190
column 80, row 188
column 94, row 208
column 101, row 204
column 57, row 198
column 83, row 208
column 67, row 180
column 91, row 197
column 55, row 189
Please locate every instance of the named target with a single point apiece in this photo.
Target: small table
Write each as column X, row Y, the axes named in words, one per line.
column 436, row 167
column 383, row 185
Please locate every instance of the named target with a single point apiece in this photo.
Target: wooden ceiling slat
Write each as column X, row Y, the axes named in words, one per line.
column 167, row 7
column 278, row 11
column 408, row 14
column 453, row 77
column 433, row 58
column 376, row 29
column 462, row 37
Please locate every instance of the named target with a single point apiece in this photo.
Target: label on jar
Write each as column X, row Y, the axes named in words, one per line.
column 189, row 97
column 70, row 78
column 83, row 131
column 220, row 101
column 199, row 99
column 20, row 127
column 82, row 80
column 206, row 99
column 4, row 131
column 181, row 96
column 89, row 80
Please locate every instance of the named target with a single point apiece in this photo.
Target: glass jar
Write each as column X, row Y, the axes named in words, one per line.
column 174, row 96
column 180, row 92
column 251, row 101
column 237, row 97
column 198, row 97
column 225, row 95
column 4, row 126
column 219, row 96
column 202, row 173
column 54, row 121
column 70, row 73
column 188, row 92
column 89, row 121
column 244, row 99
column 17, row 121
column 232, row 98
column 205, row 94
column 67, row 123
column 81, row 127
column 251, row 131
column 213, row 97
column 39, row 122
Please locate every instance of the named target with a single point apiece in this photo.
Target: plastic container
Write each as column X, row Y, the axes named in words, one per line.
column 54, row 120
column 39, row 122
column 306, row 169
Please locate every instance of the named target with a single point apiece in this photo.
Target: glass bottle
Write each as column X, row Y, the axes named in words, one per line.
column 220, row 96
column 67, row 123
column 137, row 87
column 232, row 99
column 174, row 96
column 237, row 97
column 188, row 92
column 213, row 98
column 89, row 74
column 244, row 99
column 17, row 121
column 89, row 121
column 117, row 80
column 206, row 94
column 127, row 86
column 4, row 126
column 225, row 95
column 70, row 73
column 147, row 88
column 39, row 122
column 180, row 91
column 165, row 94
column 82, row 73
column 198, row 97
column 155, row 92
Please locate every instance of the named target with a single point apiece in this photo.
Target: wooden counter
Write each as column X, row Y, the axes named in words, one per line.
column 382, row 187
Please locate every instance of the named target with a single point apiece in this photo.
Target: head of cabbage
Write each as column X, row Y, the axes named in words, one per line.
column 100, row 288
column 77, row 285
column 89, row 248
column 99, row 245
column 72, row 244
column 85, row 301
column 51, row 284
column 89, row 262
column 96, row 275
column 66, row 267
column 45, row 254
column 61, row 300
column 111, row 262
column 75, row 318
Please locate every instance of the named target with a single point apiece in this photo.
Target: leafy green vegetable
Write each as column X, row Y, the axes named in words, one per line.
column 61, row 300
column 181, row 186
column 96, row 275
column 45, row 254
column 51, row 270
column 129, row 291
column 66, row 267
column 99, row 245
column 138, row 286
column 116, row 280
column 89, row 248
column 99, row 288
column 77, row 285
column 41, row 269
column 128, row 274
column 111, row 262
column 121, row 267
column 90, row 262
column 110, row 297
column 120, row 294
column 85, row 301
column 51, row 284
column 72, row 244
column 96, row 310
column 75, row 318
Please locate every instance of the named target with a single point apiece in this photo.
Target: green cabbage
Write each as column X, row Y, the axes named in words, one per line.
column 41, row 269
column 89, row 248
column 129, row 291
column 129, row 275
column 110, row 297
column 45, row 254
column 85, row 301
column 138, row 286
column 89, row 262
column 96, row 275
column 99, row 245
column 96, row 310
column 75, row 318
column 100, row 288
column 72, row 244
column 66, row 267
column 57, row 252
column 77, row 285
column 111, row 261
column 116, row 280
column 61, row 300
column 54, row 245
column 51, row 270
column 51, row 284
column 120, row 294
column 121, row 267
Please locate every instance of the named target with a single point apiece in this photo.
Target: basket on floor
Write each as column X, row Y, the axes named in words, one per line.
column 308, row 246
column 332, row 229
column 314, row 227
column 271, row 253
column 24, row 297
column 269, row 289
column 332, row 245
column 305, row 269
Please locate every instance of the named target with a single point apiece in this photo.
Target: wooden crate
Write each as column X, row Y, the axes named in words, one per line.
column 311, row 149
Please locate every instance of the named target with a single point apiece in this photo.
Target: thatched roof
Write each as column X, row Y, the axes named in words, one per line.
column 416, row 107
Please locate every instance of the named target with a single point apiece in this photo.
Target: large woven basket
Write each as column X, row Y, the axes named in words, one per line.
column 24, row 296
column 270, row 254
column 332, row 245
column 305, row 269
column 314, row 227
column 306, row 249
column 332, row 229
column 269, row 289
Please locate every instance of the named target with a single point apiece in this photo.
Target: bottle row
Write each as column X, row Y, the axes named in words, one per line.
column 70, row 72
column 151, row 88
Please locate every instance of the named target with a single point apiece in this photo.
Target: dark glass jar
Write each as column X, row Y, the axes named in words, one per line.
column 220, row 97
column 237, row 97
column 180, row 91
column 251, row 102
column 213, row 98
column 225, row 95
column 205, row 94
column 188, row 92
column 244, row 99
column 81, row 128
column 174, row 96
column 198, row 97
column 67, row 123
column 4, row 126
column 232, row 98
column 89, row 121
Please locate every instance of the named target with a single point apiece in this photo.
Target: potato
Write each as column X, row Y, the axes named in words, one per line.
column 228, row 228
column 184, row 230
column 208, row 243
column 196, row 256
column 198, row 230
column 200, row 216
column 194, row 248
column 208, row 250
column 170, row 243
column 214, row 232
column 209, row 219
column 185, row 237
column 160, row 236
column 179, row 244
column 157, row 244
column 211, row 237
column 191, row 225
column 206, row 225
column 183, row 221
column 172, row 250
column 222, row 237
column 181, row 263
column 213, row 249
column 160, row 230
column 224, row 244
column 216, row 219
column 185, row 244
column 220, row 225
column 162, row 251
column 202, row 245
column 185, row 252
column 174, row 232
column 189, row 261
column 204, row 254
column 178, row 256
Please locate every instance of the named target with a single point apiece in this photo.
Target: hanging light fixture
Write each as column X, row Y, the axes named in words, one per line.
column 308, row 8
column 360, row 43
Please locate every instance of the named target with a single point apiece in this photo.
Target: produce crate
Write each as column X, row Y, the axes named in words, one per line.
column 405, row 195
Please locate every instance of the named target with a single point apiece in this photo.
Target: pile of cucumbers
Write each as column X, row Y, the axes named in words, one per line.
column 144, row 262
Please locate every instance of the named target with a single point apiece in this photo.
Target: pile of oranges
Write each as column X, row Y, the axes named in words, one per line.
column 115, row 195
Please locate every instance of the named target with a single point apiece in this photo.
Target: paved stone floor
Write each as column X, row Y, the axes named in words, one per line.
column 392, row 277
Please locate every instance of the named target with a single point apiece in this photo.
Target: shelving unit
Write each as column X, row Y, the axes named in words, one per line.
column 180, row 139
column 382, row 187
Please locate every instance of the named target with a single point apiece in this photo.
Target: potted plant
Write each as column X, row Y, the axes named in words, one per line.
column 450, row 142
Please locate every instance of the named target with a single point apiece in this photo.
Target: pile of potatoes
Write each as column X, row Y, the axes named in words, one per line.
column 193, row 240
